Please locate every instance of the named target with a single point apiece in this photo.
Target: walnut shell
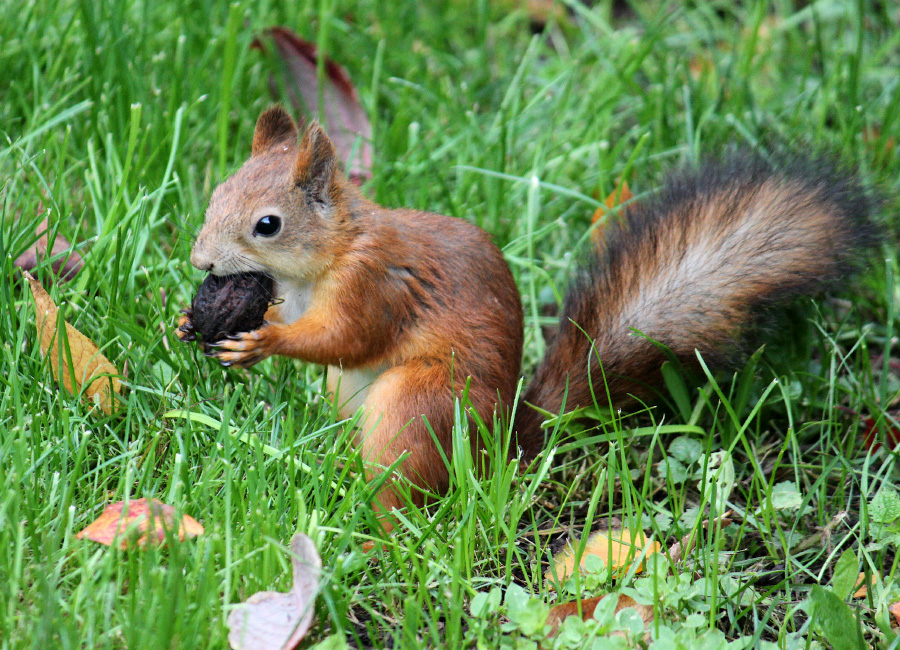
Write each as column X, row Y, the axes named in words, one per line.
column 230, row 304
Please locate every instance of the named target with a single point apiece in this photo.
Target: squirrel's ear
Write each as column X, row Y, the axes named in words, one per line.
column 273, row 127
column 316, row 162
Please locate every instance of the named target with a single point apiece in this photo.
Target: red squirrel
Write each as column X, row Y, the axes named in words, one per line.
column 407, row 307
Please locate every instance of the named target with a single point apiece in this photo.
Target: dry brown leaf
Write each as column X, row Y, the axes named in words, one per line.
column 140, row 520
column 64, row 267
column 90, row 368
column 561, row 612
column 343, row 115
column 617, row 197
column 273, row 620
column 617, row 549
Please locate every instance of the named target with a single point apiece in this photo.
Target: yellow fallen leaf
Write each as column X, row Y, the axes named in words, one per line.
column 146, row 519
column 863, row 585
column 617, row 549
column 89, row 367
column 618, row 196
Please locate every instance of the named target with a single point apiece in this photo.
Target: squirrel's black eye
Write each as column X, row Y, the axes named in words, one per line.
column 267, row 226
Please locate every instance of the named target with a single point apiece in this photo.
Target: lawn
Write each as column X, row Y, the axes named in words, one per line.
column 119, row 117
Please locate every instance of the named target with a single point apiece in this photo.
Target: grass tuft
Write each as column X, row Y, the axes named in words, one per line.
column 120, row 118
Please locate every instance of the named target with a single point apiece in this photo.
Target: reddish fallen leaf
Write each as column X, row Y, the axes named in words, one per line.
column 561, row 612
column 617, row 197
column 895, row 610
column 274, row 620
column 343, row 116
column 871, row 433
column 89, row 367
column 617, row 549
column 141, row 521
column 64, row 266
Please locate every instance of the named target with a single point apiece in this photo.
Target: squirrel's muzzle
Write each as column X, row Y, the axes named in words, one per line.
column 201, row 258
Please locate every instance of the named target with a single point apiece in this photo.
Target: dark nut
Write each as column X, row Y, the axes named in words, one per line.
column 227, row 305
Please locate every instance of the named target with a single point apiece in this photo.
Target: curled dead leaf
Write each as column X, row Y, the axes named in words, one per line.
column 89, row 367
column 141, row 521
column 617, row 548
column 343, row 116
column 274, row 620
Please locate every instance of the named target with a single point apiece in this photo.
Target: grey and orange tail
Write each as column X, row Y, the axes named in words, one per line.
column 696, row 268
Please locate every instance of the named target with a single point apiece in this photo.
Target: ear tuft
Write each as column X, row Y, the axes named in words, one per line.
column 275, row 126
column 316, row 162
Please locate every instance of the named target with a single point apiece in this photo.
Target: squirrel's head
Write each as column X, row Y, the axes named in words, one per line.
column 282, row 211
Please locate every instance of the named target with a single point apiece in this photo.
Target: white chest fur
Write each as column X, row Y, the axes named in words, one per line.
column 351, row 387
column 295, row 297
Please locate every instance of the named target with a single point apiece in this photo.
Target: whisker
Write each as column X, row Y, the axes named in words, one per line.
column 184, row 225
column 252, row 264
column 183, row 238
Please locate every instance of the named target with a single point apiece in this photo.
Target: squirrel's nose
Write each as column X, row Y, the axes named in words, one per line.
column 201, row 260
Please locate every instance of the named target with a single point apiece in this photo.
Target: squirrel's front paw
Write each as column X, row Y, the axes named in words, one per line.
column 185, row 330
column 244, row 349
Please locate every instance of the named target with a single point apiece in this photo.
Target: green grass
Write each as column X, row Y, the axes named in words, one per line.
column 120, row 117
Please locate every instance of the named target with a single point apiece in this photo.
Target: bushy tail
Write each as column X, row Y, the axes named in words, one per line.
column 695, row 268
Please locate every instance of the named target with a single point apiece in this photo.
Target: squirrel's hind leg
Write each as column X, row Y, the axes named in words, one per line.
column 394, row 426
